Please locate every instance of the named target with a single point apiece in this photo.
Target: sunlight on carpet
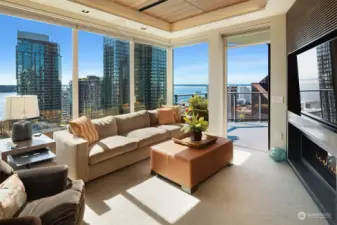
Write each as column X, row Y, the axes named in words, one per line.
column 240, row 157
column 90, row 217
column 165, row 200
column 126, row 212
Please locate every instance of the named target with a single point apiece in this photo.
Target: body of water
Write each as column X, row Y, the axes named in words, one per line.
column 178, row 90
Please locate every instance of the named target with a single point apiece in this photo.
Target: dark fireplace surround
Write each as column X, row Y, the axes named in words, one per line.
column 314, row 164
column 310, row 23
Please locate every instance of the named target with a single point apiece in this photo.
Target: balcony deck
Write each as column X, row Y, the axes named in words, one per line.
column 252, row 135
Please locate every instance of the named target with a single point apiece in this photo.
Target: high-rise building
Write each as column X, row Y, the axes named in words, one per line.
column 243, row 90
column 116, row 78
column 66, row 103
column 150, row 76
column 326, row 68
column 231, row 102
column 38, row 72
column 89, row 96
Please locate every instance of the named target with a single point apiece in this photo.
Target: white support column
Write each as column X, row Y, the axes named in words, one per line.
column 217, row 85
column 169, row 76
column 132, row 76
column 75, row 74
column 278, row 82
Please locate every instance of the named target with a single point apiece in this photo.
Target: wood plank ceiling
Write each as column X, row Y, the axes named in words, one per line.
column 176, row 10
column 175, row 15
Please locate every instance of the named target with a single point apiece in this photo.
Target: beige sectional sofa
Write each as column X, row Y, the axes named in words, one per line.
column 124, row 140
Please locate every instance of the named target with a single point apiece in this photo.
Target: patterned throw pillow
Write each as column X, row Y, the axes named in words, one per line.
column 12, row 196
column 83, row 128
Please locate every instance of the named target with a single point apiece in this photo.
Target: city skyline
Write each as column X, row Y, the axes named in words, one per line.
column 189, row 61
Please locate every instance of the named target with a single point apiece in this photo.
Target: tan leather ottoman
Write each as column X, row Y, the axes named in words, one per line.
column 188, row 167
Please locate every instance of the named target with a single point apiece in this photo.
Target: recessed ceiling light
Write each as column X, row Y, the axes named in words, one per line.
column 85, row 11
column 143, row 28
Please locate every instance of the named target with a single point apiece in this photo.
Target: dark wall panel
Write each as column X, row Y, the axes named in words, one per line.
column 309, row 20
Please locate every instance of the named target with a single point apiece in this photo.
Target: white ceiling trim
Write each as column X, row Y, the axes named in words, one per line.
column 101, row 22
column 14, row 9
column 273, row 7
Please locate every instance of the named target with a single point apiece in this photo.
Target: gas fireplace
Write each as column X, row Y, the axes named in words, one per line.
column 320, row 160
column 312, row 154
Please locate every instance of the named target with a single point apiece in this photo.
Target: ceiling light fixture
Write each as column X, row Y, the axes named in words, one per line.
column 85, row 11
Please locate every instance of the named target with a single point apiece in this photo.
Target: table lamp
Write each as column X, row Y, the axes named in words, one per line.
column 21, row 108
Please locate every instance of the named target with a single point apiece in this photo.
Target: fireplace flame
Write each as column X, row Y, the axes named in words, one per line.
column 325, row 163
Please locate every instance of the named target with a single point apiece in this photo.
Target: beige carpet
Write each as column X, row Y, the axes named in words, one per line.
column 255, row 190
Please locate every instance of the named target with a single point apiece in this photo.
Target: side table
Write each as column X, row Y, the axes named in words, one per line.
column 28, row 146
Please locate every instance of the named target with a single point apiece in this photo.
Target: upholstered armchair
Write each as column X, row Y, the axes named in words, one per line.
column 52, row 199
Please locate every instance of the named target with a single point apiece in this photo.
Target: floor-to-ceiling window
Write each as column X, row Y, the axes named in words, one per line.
column 35, row 59
column 150, row 76
column 103, row 84
column 190, row 69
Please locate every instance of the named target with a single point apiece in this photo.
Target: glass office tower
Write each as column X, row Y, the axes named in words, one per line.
column 116, row 76
column 150, row 76
column 38, row 72
column 89, row 96
column 326, row 61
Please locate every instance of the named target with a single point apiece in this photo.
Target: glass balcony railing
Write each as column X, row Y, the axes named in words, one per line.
column 247, row 106
column 241, row 106
column 182, row 99
column 319, row 103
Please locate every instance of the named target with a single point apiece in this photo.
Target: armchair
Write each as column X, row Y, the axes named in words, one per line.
column 51, row 198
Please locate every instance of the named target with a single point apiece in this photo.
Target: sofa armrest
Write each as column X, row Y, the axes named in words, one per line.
column 28, row 220
column 44, row 182
column 73, row 152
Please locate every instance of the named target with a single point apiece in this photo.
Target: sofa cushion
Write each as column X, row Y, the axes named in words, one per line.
column 110, row 147
column 132, row 121
column 62, row 208
column 166, row 116
column 176, row 109
column 173, row 129
column 153, row 114
column 147, row 136
column 105, row 126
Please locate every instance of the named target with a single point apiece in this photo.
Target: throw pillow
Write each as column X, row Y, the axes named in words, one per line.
column 83, row 128
column 176, row 109
column 166, row 116
column 12, row 196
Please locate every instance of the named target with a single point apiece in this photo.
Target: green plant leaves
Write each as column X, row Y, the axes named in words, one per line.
column 194, row 123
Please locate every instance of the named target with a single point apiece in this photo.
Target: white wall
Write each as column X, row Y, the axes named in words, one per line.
column 278, row 82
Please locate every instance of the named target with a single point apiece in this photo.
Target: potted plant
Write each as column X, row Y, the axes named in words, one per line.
column 198, row 105
column 195, row 125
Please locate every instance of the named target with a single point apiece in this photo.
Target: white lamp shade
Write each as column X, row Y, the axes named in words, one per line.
column 21, row 107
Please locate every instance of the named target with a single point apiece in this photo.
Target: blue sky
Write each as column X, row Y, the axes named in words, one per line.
column 246, row 65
